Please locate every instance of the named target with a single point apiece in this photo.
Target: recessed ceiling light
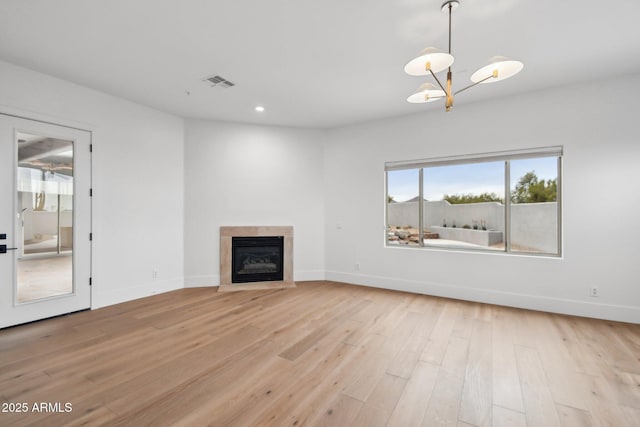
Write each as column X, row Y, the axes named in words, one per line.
column 259, row 108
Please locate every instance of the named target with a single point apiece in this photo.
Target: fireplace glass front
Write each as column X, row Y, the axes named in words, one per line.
column 257, row 259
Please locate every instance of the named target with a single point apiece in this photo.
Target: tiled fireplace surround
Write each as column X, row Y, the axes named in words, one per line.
column 226, row 236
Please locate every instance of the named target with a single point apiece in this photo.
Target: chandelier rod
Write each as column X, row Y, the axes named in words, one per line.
column 448, row 91
column 473, row 84
column 450, row 8
column 437, row 80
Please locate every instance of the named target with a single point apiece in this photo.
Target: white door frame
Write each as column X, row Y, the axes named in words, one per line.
column 34, row 310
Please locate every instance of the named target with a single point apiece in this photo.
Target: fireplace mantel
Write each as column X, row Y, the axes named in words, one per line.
column 226, row 236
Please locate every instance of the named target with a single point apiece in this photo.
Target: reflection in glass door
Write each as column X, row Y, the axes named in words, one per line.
column 45, row 202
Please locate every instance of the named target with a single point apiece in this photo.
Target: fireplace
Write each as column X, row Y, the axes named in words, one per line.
column 257, row 259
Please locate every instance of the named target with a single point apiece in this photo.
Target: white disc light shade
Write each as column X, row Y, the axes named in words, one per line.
column 429, row 57
column 432, row 61
column 426, row 93
column 500, row 67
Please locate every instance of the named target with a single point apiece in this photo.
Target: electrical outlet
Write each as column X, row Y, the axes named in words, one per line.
column 357, row 266
column 595, row 292
column 155, row 273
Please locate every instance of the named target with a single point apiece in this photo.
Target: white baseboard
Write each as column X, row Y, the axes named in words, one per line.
column 619, row 313
column 102, row 298
column 204, row 281
column 532, row 302
column 306, row 275
column 214, row 280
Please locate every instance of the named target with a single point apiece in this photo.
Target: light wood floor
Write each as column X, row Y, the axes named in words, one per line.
column 321, row 354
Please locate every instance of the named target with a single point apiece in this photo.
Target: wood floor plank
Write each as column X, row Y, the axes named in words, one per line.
column 101, row 416
column 280, row 394
column 464, row 323
column 412, row 405
column 206, row 389
column 439, row 338
column 455, row 358
column 375, row 367
column 444, row 405
column 616, row 376
column 370, row 316
column 578, row 352
column 142, row 356
column 387, row 392
column 476, row 406
column 128, row 394
column 503, row 417
column 369, row 373
column 207, row 359
column 572, row 417
column 371, row 416
column 604, row 406
column 405, row 361
column 631, row 415
column 390, row 321
column 629, row 337
column 540, row 409
column 300, row 347
column 308, row 398
column 615, row 347
column 47, row 344
column 566, row 384
column 342, row 411
column 507, row 392
column 197, row 357
column 271, row 395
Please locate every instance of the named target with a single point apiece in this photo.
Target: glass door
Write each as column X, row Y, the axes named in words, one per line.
column 44, row 220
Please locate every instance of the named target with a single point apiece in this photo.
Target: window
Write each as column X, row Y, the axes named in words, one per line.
column 498, row 202
column 402, row 206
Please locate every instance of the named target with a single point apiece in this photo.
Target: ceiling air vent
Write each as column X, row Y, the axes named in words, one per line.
column 218, row 81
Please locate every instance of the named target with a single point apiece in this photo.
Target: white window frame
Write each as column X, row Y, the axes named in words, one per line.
column 506, row 156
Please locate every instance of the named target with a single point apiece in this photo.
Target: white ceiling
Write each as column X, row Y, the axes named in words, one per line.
column 312, row 63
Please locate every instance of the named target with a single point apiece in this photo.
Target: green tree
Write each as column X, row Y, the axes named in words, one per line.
column 456, row 199
column 530, row 189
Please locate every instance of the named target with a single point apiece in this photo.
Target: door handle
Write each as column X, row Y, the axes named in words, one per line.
column 4, row 249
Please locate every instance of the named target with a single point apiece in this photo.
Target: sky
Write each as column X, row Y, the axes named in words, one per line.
column 475, row 178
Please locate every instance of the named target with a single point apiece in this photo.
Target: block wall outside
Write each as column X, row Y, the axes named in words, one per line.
column 533, row 225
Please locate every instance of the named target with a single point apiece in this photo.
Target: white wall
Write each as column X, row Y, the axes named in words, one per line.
column 601, row 140
column 149, row 168
column 137, row 180
column 238, row 174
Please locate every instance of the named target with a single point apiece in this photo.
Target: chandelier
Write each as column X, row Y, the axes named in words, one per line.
column 432, row 61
